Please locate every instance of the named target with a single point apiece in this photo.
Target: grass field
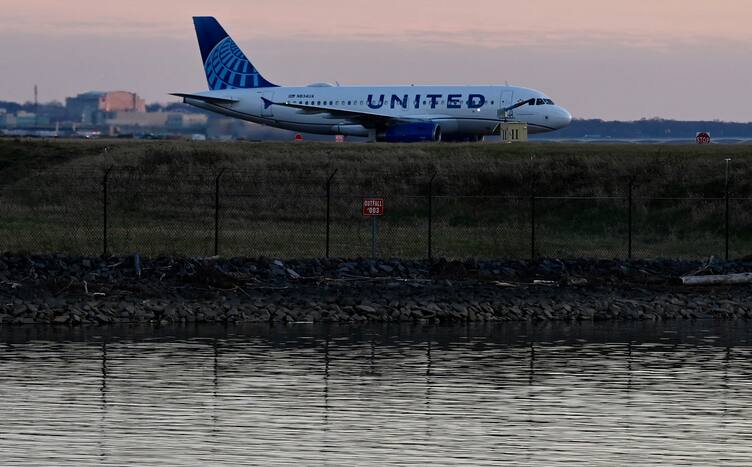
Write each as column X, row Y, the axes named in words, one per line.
column 161, row 198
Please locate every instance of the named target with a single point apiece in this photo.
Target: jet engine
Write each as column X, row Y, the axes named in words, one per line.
column 412, row 133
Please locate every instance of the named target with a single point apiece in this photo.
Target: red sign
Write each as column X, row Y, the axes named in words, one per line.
column 373, row 207
column 703, row 137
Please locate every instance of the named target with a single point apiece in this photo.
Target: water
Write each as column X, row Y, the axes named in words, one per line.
column 553, row 394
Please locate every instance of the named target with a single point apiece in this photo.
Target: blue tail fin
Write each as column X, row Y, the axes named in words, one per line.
column 225, row 64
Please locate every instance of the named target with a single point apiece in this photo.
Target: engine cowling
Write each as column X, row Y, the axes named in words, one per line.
column 412, row 133
column 462, row 138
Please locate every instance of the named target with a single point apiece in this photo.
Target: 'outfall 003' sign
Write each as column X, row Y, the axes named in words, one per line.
column 373, row 207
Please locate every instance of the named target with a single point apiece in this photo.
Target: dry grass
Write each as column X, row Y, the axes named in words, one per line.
column 161, row 198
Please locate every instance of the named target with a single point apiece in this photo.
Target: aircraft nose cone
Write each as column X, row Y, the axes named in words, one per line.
column 565, row 118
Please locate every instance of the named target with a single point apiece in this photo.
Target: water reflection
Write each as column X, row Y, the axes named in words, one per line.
column 520, row 394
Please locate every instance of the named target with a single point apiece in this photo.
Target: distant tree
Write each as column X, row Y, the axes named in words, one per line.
column 651, row 128
column 10, row 107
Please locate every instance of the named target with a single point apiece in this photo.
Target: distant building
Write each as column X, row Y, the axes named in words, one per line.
column 6, row 119
column 157, row 120
column 30, row 119
column 22, row 119
column 92, row 107
column 138, row 119
column 187, row 121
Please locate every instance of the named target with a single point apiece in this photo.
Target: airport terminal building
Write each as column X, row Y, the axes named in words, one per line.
column 91, row 108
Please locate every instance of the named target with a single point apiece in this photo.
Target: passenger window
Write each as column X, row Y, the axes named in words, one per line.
column 349, row 103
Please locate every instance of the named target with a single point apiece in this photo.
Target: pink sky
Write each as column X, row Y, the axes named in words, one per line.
column 600, row 58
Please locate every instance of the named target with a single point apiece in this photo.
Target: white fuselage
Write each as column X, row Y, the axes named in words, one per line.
column 458, row 110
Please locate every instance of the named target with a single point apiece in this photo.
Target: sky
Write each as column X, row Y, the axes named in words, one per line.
column 609, row 59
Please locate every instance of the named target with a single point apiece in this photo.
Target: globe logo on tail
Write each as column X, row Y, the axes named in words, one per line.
column 228, row 68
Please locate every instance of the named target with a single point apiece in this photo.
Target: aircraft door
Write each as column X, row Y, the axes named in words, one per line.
column 506, row 101
column 267, row 110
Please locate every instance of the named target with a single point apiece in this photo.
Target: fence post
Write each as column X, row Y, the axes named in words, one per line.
column 105, row 211
column 532, row 222
column 216, row 211
column 532, row 174
column 328, row 208
column 629, row 218
column 430, row 219
column 726, row 196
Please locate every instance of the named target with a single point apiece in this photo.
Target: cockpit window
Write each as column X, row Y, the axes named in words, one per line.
column 539, row 101
column 549, row 101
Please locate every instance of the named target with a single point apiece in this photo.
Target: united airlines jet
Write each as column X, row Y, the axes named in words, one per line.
column 381, row 113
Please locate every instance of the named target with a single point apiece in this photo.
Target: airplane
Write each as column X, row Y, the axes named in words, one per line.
column 400, row 114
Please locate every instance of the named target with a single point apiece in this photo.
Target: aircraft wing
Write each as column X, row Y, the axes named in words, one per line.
column 207, row 99
column 367, row 119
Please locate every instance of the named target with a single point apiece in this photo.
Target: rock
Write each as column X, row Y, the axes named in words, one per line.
column 19, row 310
column 587, row 313
column 102, row 318
column 278, row 271
column 50, row 289
column 576, row 281
column 292, row 274
column 386, row 268
column 365, row 309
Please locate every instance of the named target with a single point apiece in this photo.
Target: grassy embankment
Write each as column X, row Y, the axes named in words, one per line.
column 161, row 198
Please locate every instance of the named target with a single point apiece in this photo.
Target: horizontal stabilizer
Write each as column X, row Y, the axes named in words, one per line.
column 207, row 99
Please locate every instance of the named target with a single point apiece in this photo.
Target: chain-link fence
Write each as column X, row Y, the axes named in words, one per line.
column 232, row 213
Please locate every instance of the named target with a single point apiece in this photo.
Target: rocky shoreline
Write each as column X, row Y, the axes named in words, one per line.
column 72, row 291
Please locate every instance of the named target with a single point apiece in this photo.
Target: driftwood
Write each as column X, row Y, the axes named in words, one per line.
column 719, row 279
